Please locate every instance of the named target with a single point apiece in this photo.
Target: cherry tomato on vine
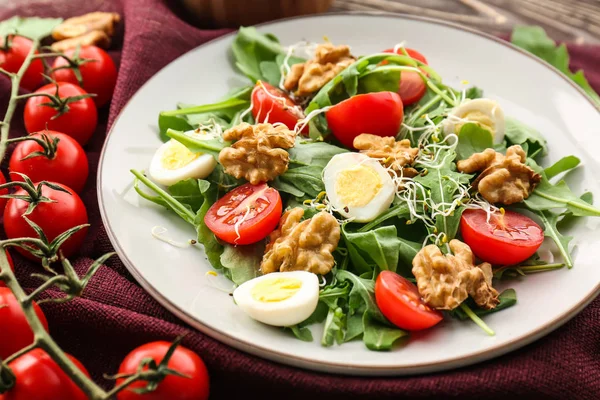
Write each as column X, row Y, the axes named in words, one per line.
column 39, row 377
column 270, row 104
column 2, row 192
column 245, row 215
column 399, row 300
column 65, row 212
column 506, row 239
column 98, row 73
column 12, row 266
column 63, row 162
column 15, row 332
column 412, row 88
column 12, row 60
column 379, row 113
column 194, row 387
column 79, row 117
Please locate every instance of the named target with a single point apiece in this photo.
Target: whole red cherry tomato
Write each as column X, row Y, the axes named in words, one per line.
column 61, row 160
column 184, row 361
column 65, row 212
column 98, row 72
column 39, row 377
column 12, row 60
column 15, row 332
column 78, row 119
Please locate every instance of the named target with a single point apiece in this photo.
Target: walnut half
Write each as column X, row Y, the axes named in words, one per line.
column 503, row 179
column 390, row 153
column 446, row 280
column 258, row 154
column 95, row 28
column 302, row 246
column 312, row 75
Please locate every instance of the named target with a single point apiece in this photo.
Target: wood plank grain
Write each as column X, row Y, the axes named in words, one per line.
column 571, row 20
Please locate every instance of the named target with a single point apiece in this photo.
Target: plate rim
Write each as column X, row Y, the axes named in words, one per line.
column 328, row 366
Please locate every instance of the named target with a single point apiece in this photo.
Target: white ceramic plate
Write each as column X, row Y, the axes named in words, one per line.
column 527, row 89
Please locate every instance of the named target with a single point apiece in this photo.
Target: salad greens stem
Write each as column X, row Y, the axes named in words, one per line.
column 476, row 319
column 441, row 93
column 541, row 268
column 205, row 108
column 576, row 204
column 424, row 108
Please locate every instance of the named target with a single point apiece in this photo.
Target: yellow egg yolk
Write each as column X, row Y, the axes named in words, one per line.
column 276, row 289
column 479, row 118
column 177, row 156
column 357, row 186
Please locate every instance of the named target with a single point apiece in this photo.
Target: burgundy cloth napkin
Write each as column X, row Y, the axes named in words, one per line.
column 116, row 314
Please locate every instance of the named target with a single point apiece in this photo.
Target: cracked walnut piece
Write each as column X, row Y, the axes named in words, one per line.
column 312, row 75
column 503, row 179
column 389, row 152
column 302, row 246
column 258, row 154
column 446, row 280
column 96, row 28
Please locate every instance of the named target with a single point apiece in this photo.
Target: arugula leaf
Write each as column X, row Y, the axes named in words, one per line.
column 474, row 93
column 380, row 337
column 189, row 192
column 362, row 293
column 547, row 196
column 535, row 40
column 30, row 27
column 313, row 153
column 198, row 144
column 399, row 211
column 212, row 247
column 518, row 133
column 306, row 179
column 383, row 79
column 222, row 180
column 473, row 139
column 259, row 56
column 188, row 117
column 564, row 164
column 441, row 182
column 289, row 188
column 508, row 298
column 243, row 262
column 334, row 327
column 301, row 332
column 330, row 295
column 379, row 247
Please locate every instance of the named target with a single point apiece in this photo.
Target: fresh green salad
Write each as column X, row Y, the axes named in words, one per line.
column 360, row 192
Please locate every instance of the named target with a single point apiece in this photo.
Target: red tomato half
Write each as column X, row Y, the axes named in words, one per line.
column 15, row 332
column 258, row 206
column 12, row 266
column 79, row 121
column 399, row 300
column 412, row 88
column 12, row 60
column 379, row 113
column 99, row 75
column 39, row 377
column 270, row 104
column 193, row 387
column 506, row 240
column 69, row 165
column 65, row 212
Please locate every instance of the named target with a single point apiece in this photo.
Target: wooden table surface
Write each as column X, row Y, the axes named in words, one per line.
column 572, row 20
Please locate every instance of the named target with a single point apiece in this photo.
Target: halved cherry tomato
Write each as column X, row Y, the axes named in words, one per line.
column 13, row 59
column 194, row 385
column 379, row 113
column 12, row 266
column 400, row 302
column 412, row 88
column 39, row 377
column 270, row 104
column 15, row 332
column 506, row 239
column 245, row 215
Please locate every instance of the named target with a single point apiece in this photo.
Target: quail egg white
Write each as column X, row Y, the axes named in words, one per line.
column 173, row 162
column 358, row 186
column 279, row 298
column 484, row 112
